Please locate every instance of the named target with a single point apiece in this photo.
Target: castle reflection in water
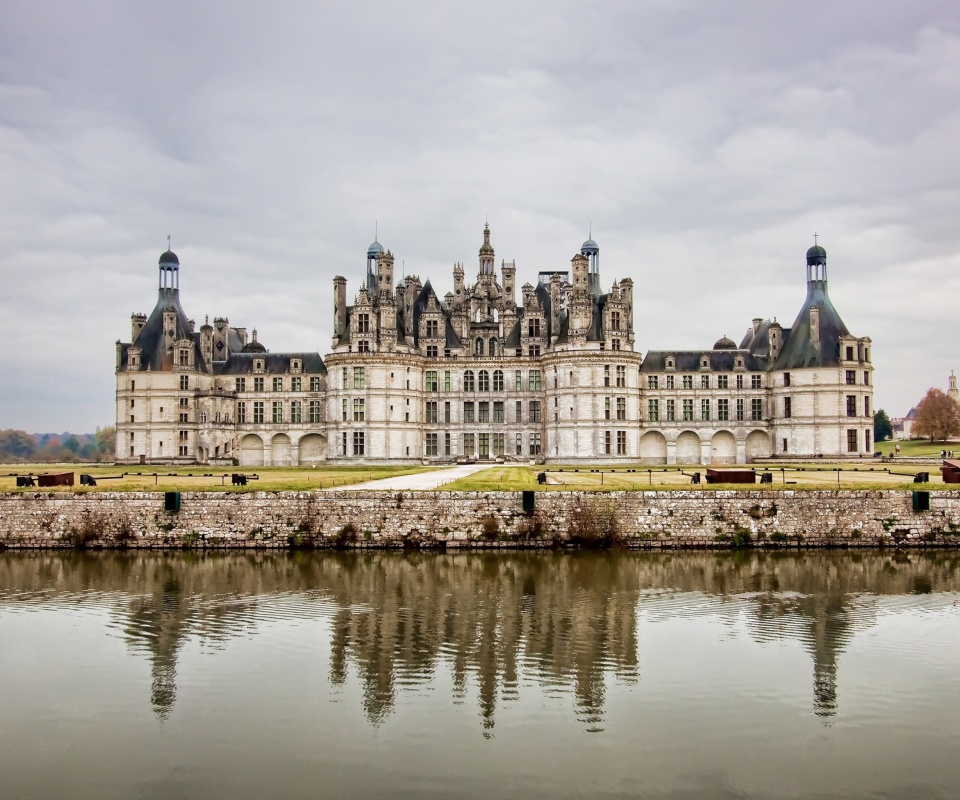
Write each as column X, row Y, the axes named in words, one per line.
column 492, row 620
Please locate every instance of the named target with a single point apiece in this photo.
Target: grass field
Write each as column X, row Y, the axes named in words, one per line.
column 188, row 479
column 918, row 448
column 797, row 476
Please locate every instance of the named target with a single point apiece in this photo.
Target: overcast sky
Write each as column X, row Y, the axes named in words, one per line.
column 705, row 141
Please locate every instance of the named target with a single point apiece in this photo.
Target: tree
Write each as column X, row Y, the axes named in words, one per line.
column 938, row 416
column 16, row 444
column 106, row 443
column 882, row 427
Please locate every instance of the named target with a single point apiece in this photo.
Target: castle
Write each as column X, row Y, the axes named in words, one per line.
column 413, row 377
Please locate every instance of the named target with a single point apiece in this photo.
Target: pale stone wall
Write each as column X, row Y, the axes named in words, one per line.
column 644, row 519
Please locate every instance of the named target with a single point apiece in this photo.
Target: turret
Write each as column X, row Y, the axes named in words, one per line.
column 137, row 321
column 206, row 343
column 385, row 276
column 509, row 270
column 591, row 251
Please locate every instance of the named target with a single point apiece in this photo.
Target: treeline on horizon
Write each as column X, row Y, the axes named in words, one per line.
column 18, row 446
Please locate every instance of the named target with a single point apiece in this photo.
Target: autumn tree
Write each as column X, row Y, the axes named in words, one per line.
column 938, row 416
column 882, row 427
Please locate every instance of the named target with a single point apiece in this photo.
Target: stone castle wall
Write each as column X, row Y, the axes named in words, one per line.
column 464, row 519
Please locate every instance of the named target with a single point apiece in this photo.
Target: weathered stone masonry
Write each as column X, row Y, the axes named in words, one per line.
column 464, row 519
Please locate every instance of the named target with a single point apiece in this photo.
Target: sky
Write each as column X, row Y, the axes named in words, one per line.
column 704, row 142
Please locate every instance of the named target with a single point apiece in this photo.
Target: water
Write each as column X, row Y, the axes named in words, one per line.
column 689, row 675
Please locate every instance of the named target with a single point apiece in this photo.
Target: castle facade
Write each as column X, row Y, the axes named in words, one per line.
column 551, row 376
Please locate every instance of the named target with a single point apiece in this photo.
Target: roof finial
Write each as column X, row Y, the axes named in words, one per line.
column 815, row 236
column 376, row 231
column 590, row 236
column 168, row 242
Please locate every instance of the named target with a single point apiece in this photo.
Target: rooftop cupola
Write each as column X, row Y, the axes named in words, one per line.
column 816, row 263
column 486, row 253
column 591, row 250
column 169, row 271
column 374, row 251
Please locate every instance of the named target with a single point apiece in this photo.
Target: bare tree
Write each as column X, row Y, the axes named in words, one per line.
column 938, row 416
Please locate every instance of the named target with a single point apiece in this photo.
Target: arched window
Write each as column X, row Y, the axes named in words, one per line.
column 478, row 347
column 483, row 381
column 493, row 347
column 468, row 381
column 203, row 417
column 498, row 380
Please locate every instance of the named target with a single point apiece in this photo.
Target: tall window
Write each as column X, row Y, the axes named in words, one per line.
column 704, row 409
column 669, row 381
column 606, row 407
column 866, row 440
column 498, row 380
column 498, row 412
column 363, row 323
column 739, row 381
column 184, row 383
column 469, row 444
column 786, row 378
column 534, row 351
column 621, row 375
column 534, row 380
column 278, row 384
column 315, row 384
column 296, row 384
column 740, row 408
column 851, row 406
column 478, row 347
column 446, row 411
column 432, row 444
column 653, row 382
column 468, row 381
column 723, row 381
column 756, row 382
column 535, row 411
column 468, row 412
column 866, row 406
column 258, row 412
column 241, row 384
column 607, row 441
column 534, row 444
column 518, row 383
column 241, row 413
column 704, row 381
column 359, row 411
column 621, row 408
column 723, row 409
column 296, row 412
column 688, row 381
column 851, row 377
column 343, row 409
column 787, row 407
column 277, row 411
column 533, row 327
column 851, row 441
column 433, row 329
column 432, row 411
column 483, row 411
column 614, row 320
column 518, row 415
column 653, row 410
column 358, row 443
column 483, row 381
column 492, row 349
column 499, row 444
column 621, row 443
column 315, row 413
column 756, row 408
column 688, row 410
column 606, row 374
column 258, row 384
column 447, row 382
column 432, row 384
column 359, row 378
column 671, row 410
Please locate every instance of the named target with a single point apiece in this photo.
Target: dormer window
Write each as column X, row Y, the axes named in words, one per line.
column 704, row 363
column 258, row 364
column 671, row 364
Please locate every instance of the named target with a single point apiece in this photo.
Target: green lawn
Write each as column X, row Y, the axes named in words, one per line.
column 919, row 448
column 863, row 475
column 200, row 478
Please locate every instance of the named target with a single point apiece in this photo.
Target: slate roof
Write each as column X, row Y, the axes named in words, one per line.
column 689, row 360
column 798, row 350
column 155, row 354
column 275, row 363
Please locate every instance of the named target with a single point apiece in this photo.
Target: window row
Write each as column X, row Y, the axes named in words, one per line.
column 278, row 385
column 723, row 409
column 718, row 382
column 278, row 414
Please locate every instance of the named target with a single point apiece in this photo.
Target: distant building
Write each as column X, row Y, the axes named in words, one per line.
column 415, row 377
column 905, row 429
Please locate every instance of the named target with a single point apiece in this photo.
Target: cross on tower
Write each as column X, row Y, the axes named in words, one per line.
column 815, row 235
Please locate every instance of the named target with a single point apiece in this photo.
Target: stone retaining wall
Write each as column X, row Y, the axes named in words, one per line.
column 472, row 519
